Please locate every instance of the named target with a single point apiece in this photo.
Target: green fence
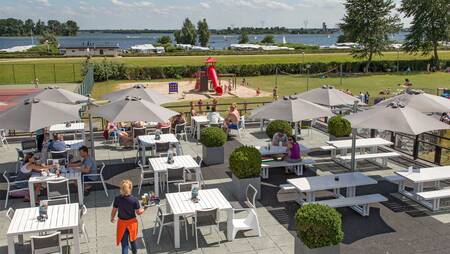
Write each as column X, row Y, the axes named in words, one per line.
column 45, row 73
column 85, row 87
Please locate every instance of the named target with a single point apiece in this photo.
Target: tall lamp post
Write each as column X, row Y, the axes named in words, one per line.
column 307, row 76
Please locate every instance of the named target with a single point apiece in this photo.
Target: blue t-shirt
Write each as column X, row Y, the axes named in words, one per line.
column 127, row 206
column 90, row 163
column 57, row 146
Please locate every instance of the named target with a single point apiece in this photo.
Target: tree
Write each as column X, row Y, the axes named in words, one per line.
column 54, row 26
column 164, row 40
column 203, row 32
column 28, row 26
column 430, row 24
column 243, row 38
column 71, row 28
column 187, row 34
column 369, row 23
column 48, row 38
column 268, row 39
column 40, row 27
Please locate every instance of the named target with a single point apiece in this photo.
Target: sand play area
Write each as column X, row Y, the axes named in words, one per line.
column 186, row 90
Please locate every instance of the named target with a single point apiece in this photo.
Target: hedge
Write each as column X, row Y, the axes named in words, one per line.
column 245, row 162
column 213, row 137
column 339, row 127
column 162, row 72
column 278, row 126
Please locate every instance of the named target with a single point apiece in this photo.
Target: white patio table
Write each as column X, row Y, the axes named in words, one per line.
column 419, row 178
column 160, row 166
column 344, row 145
column 63, row 128
column 199, row 121
column 60, row 217
column 180, row 203
column 310, row 185
column 277, row 149
column 71, row 175
column 150, row 141
column 74, row 144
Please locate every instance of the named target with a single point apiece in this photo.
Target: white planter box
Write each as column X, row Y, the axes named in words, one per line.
column 240, row 187
column 300, row 248
column 213, row 155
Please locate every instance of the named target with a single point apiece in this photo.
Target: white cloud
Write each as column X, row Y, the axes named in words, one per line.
column 43, row 2
column 132, row 4
column 205, row 5
column 260, row 4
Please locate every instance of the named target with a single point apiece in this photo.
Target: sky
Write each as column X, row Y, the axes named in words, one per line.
column 169, row 14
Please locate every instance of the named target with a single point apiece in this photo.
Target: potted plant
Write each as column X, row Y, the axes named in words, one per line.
column 245, row 165
column 278, row 126
column 339, row 128
column 213, row 139
column 319, row 230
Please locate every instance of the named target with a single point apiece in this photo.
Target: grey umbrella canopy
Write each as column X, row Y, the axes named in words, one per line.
column 329, row 96
column 420, row 101
column 34, row 114
column 140, row 91
column 291, row 109
column 132, row 109
column 396, row 117
column 56, row 94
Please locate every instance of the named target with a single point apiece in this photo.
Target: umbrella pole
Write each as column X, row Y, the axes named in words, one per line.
column 354, row 133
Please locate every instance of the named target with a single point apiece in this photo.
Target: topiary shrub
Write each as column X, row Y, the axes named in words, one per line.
column 245, row 162
column 213, row 137
column 339, row 127
column 319, row 226
column 278, row 126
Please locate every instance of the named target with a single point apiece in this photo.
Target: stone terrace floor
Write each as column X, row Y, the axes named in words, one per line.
column 395, row 226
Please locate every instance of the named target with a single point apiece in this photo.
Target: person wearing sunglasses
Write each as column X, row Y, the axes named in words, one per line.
column 294, row 153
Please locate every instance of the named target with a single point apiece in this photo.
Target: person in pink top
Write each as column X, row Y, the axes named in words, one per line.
column 294, row 153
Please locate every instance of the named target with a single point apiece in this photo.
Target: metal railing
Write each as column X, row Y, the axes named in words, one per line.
column 86, row 86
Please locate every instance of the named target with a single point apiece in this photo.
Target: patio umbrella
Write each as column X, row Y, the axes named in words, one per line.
column 34, row 114
column 393, row 117
column 420, row 101
column 328, row 96
column 142, row 92
column 132, row 109
column 291, row 109
column 56, row 94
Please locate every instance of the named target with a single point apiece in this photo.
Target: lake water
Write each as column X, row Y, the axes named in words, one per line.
column 125, row 41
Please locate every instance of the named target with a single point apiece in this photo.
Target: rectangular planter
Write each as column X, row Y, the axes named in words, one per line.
column 213, row 155
column 240, row 187
column 301, row 248
column 333, row 138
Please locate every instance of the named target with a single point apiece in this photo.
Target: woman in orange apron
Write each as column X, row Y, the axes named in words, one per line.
column 126, row 206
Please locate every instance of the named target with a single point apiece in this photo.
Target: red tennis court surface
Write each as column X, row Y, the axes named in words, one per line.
column 11, row 96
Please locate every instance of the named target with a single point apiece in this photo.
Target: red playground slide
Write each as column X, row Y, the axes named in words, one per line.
column 212, row 75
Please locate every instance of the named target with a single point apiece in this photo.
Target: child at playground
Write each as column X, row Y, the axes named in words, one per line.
column 275, row 93
column 229, row 87
column 258, row 91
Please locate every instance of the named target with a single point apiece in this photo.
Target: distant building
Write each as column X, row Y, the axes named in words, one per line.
column 324, row 27
column 90, row 49
column 148, row 49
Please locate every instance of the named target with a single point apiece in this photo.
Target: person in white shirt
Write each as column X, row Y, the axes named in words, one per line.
column 213, row 116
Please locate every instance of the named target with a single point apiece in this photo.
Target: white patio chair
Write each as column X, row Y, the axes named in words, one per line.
column 136, row 132
column 58, row 189
column 166, row 130
column 96, row 176
column 240, row 126
column 146, row 175
column 46, row 244
column 20, row 157
column 183, row 187
column 81, row 225
column 3, row 140
column 164, row 218
column 10, row 213
column 175, row 175
column 56, row 201
column 251, row 221
column 162, row 148
column 180, row 131
column 11, row 185
column 206, row 218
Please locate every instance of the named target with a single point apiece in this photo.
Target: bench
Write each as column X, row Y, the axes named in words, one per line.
column 358, row 203
column 332, row 149
column 435, row 197
column 297, row 166
column 396, row 179
column 288, row 193
column 371, row 156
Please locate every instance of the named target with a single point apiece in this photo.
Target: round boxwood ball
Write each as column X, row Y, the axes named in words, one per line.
column 278, row 126
column 213, row 137
column 245, row 162
column 319, row 226
column 339, row 126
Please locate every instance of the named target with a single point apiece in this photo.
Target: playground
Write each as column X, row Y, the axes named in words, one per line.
column 206, row 83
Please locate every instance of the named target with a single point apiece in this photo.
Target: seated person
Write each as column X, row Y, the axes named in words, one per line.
column 294, row 153
column 86, row 166
column 58, row 144
column 178, row 119
column 161, row 125
column 407, row 83
column 139, row 124
column 30, row 168
column 213, row 116
column 232, row 120
column 279, row 137
column 193, row 112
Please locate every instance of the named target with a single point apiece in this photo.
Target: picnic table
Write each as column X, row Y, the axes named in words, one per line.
column 71, row 175
column 63, row 128
column 160, row 166
column 180, row 203
column 60, row 217
column 274, row 150
column 419, row 177
column 344, row 145
column 150, row 141
column 198, row 121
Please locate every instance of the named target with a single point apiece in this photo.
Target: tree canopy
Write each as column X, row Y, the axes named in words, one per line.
column 430, row 24
column 187, row 34
column 17, row 27
column 268, row 39
column 164, row 40
column 369, row 23
column 203, row 32
column 243, row 38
